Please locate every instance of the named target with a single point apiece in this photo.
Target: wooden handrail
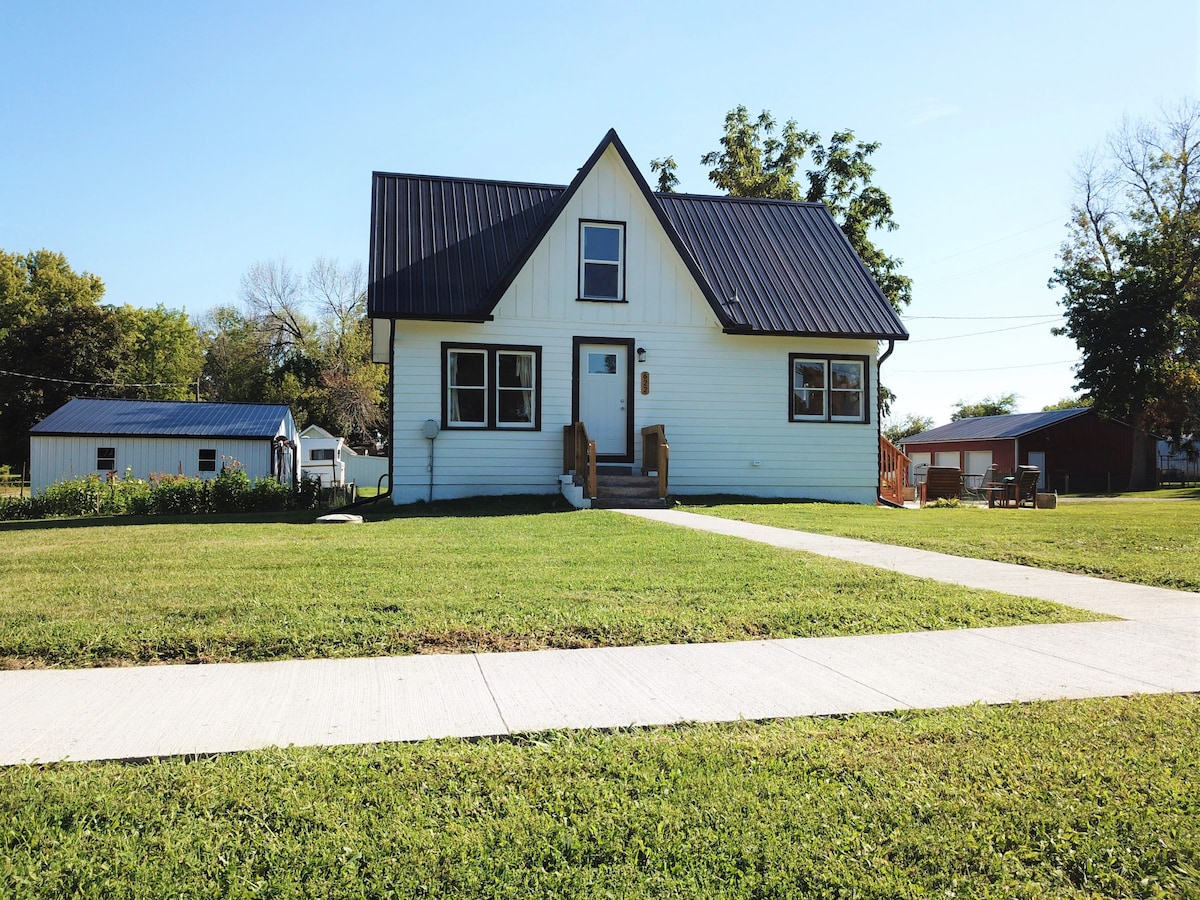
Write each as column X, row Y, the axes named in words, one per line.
column 893, row 472
column 656, row 455
column 579, row 456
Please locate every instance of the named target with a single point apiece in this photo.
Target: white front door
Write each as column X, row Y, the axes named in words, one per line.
column 604, row 397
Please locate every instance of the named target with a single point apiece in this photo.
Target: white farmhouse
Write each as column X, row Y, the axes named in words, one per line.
column 146, row 437
column 744, row 334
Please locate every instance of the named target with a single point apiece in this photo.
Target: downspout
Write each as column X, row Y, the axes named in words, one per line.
column 879, row 499
column 391, row 432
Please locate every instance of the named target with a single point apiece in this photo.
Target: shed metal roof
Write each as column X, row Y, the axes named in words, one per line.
column 446, row 248
column 983, row 428
column 164, row 418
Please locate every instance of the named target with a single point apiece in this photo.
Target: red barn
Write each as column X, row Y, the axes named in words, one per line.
column 1076, row 449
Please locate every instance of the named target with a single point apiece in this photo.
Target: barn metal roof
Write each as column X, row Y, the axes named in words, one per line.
column 164, row 418
column 447, row 248
column 983, row 428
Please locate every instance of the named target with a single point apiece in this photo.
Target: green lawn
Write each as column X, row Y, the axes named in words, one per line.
column 1083, row 799
column 483, row 576
column 1156, row 543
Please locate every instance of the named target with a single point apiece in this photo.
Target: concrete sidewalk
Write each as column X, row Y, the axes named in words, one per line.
column 130, row 713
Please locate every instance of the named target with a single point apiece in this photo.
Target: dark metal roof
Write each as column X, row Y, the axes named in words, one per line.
column 439, row 245
column 447, row 248
column 984, row 428
column 782, row 267
column 164, row 418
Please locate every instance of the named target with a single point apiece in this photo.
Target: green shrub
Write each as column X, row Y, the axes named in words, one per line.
column 268, row 495
column 308, row 493
column 174, row 495
column 231, row 487
column 16, row 508
column 78, row 497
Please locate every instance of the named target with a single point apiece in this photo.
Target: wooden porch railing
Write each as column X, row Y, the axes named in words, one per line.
column 656, row 455
column 893, row 472
column 579, row 456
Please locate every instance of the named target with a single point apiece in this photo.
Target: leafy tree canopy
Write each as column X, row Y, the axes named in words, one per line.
column 911, row 424
column 300, row 339
column 1069, row 403
column 757, row 159
column 1001, row 405
column 1129, row 276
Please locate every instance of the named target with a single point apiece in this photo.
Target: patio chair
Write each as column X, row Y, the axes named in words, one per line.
column 941, row 482
column 1026, row 487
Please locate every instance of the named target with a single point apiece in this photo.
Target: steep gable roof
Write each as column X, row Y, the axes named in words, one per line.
column 164, row 418
column 984, row 428
column 448, row 248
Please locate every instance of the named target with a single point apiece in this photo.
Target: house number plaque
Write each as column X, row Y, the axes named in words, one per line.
column 645, row 383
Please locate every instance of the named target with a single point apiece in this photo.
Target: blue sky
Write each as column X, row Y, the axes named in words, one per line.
column 168, row 146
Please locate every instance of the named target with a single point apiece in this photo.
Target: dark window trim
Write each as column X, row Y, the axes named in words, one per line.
column 828, row 358
column 490, row 423
column 629, row 344
column 623, row 264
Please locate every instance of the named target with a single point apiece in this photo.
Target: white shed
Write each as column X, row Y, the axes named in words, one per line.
column 322, row 456
column 146, row 437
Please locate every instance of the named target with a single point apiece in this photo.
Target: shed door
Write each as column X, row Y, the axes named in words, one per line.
column 1038, row 458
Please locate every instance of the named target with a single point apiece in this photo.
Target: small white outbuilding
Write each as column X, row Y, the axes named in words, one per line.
column 146, row 437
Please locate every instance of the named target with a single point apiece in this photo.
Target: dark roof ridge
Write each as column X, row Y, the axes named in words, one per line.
column 497, row 181
column 731, row 198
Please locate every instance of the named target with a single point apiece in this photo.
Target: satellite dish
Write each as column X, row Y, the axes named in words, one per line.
column 430, row 429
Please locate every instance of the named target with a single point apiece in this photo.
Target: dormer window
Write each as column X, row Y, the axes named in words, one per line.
column 602, row 261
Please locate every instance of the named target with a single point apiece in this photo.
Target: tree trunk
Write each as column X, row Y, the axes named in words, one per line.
column 1138, row 476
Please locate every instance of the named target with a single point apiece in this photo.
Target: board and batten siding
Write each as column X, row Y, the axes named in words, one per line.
column 724, row 399
column 55, row 458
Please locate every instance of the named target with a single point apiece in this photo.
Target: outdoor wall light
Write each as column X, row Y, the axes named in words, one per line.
column 641, row 352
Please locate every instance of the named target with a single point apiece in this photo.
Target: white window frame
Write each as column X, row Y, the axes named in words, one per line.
column 451, row 387
column 528, row 422
column 618, row 264
column 827, row 390
column 112, row 454
column 492, row 354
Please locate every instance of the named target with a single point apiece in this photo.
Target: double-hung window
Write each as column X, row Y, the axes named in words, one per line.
column 207, row 461
column 106, row 459
column 828, row 389
column 602, row 261
column 488, row 386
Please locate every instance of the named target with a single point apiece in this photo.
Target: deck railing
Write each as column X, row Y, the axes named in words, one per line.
column 893, row 472
column 579, row 457
column 656, row 455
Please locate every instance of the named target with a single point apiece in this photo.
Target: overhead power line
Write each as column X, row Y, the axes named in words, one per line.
column 109, row 384
column 955, row 337
column 1061, row 362
column 977, row 318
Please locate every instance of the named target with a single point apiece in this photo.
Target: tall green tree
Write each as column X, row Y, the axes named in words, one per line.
column 164, row 354
column 56, row 341
column 757, row 159
column 1129, row 277
column 1000, row 405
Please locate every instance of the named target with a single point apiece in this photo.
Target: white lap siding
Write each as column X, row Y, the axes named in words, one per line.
column 56, row 458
